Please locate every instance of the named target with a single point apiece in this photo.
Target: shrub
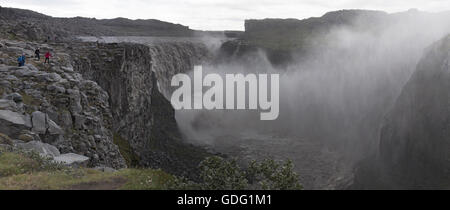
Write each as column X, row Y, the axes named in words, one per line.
column 270, row 175
column 217, row 173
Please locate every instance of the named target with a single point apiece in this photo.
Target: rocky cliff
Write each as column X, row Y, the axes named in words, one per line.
column 414, row 144
column 54, row 104
column 100, row 100
column 142, row 117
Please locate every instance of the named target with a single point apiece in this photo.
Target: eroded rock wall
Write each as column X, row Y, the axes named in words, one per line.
column 142, row 116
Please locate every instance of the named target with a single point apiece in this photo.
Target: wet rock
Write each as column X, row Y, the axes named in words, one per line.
column 414, row 145
column 25, row 73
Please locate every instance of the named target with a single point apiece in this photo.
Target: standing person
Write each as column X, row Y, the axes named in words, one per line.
column 47, row 57
column 37, row 54
column 21, row 60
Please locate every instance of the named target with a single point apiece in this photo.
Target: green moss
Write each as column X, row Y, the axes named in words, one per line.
column 12, row 36
column 2, row 91
column 29, row 100
column 126, row 151
column 4, row 139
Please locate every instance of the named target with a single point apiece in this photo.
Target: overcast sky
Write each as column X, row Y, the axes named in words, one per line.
column 214, row 14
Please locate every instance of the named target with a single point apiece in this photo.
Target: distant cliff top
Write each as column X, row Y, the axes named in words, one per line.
column 288, row 34
column 26, row 24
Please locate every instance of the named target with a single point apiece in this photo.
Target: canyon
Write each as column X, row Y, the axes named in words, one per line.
column 360, row 106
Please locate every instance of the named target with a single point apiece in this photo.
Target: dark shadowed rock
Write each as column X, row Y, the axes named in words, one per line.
column 414, row 145
column 143, row 118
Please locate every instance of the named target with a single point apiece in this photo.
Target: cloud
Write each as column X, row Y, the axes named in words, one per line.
column 213, row 14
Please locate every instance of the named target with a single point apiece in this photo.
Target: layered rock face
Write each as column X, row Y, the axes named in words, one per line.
column 142, row 117
column 414, row 144
column 51, row 103
column 169, row 59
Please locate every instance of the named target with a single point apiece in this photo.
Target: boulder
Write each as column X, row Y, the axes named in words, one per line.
column 39, row 122
column 41, row 148
column 72, row 159
column 53, row 128
column 16, row 97
column 7, row 104
column 25, row 73
column 43, row 124
column 31, row 67
column 11, row 123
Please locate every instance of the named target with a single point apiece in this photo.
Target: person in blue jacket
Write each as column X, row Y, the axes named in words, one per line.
column 21, row 60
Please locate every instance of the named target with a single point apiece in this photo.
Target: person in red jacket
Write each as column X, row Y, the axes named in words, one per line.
column 47, row 57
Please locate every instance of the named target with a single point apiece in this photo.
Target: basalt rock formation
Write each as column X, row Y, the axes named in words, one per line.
column 103, row 101
column 54, row 104
column 414, row 144
column 143, row 118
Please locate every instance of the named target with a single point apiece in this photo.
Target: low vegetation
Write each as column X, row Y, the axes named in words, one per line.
column 220, row 174
column 126, row 151
column 28, row 170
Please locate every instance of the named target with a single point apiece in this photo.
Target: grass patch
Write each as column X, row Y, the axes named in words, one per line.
column 126, row 151
column 53, row 180
column 13, row 163
column 145, row 179
column 23, row 171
